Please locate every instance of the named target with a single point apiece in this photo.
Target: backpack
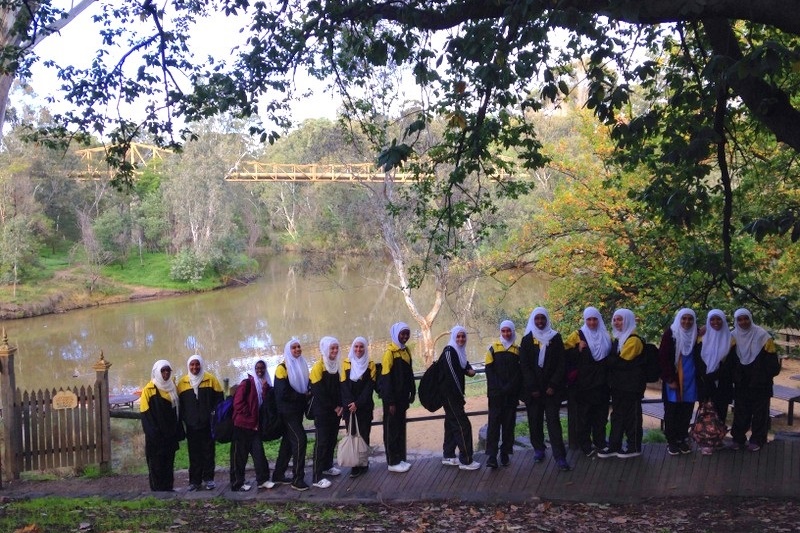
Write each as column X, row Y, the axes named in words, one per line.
column 652, row 368
column 222, row 421
column 429, row 390
column 707, row 429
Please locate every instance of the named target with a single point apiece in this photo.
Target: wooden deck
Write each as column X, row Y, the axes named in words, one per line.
column 772, row 472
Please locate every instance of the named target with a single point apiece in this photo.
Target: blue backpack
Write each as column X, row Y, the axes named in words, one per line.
column 222, row 421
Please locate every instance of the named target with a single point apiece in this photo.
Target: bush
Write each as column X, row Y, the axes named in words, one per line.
column 188, row 267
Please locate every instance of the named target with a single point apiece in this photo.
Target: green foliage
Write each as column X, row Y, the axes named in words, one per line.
column 186, row 266
column 153, row 270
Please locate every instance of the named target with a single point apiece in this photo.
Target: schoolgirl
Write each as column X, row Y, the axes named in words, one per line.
column 161, row 425
column 291, row 395
column 358, row 379
column 543, row 366
column 327, row 405
column 398, row 390
column 503, row 379
column 588, row 350
column 457, row 427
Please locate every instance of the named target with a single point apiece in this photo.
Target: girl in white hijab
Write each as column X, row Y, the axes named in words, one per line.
column 597, row 339
column 626, row 329
column 508, row 342
column 330, row 360
column 543, row 366
column 754, row 368
column 716, row 340
column 677, row 356
column 165, row 385
column 626, row 381
column 543, row 334
column 453, row 367
column 296, row 367
column 587, row 349
column 715, row 380
column 162, row 428
column 503, row 378
column 358, row 387
column 291, row 396
column 195, row 379
column 397, row 390
column 327, row 393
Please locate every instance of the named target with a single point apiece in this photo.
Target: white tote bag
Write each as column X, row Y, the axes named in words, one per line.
column 353, row 450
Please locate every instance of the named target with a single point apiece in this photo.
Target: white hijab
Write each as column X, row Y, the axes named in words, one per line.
column 358, row 365
column 331, row 365
column 260, row 382
column 716, row 344
column 628, row 326
column 685, row 339
column 394, row 332
column 195, row 381
column 161, row 384
column 296, row 368
column 598, row 340
column 460, row 350
column 750, row 341
column 508, row 324
column 543, row 335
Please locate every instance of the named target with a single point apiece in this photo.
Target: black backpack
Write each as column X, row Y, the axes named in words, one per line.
column 652, row 368
column 270, row 422
column 429, row 391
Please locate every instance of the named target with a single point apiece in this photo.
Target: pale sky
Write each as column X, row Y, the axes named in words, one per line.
column 79, row 40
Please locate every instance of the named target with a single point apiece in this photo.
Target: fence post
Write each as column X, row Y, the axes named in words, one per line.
column 103, row 410
column 12, row 438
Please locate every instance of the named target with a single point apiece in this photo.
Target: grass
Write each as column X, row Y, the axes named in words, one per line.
column 152, row 270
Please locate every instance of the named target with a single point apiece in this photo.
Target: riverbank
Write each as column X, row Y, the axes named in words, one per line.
column 60, row 290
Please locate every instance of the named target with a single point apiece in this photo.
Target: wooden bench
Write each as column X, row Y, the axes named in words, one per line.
column 787, row 394
column 656, row 410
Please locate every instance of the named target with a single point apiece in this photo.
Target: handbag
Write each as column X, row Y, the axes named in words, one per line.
column 353, row 451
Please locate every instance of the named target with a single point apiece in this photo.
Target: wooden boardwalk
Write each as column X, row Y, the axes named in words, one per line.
column 772, row 472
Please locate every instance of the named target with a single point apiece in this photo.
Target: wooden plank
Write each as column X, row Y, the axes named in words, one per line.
column 45, row 405
column 92, row 435
column 25, row 412
column 70, row 432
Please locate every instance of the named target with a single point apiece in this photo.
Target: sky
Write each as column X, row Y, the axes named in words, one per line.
column 78, row 42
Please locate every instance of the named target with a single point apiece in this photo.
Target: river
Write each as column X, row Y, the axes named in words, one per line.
column 232, row 327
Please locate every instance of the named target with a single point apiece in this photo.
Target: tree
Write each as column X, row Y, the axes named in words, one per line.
column 678, row 83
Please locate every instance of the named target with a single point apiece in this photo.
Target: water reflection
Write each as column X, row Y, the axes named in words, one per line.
column 232, row 328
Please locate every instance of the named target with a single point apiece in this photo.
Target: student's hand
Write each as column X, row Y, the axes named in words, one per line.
column 352, row 407
column 392, row 410
column 339, row 411
column 536, row 394
column 471, row 372
column 550, row 391
column 672, row 385
column 582, row 346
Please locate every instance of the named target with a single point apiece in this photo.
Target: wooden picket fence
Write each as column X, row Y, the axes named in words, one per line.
column 54, row 436
column 49, row 429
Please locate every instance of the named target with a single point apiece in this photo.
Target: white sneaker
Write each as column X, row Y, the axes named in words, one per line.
column 266, row 485
column 450, row 461
column 474, row 465
column 332, row 471
column 405, row 464
column 322, row 484
column 245, row 487
column 399, row 467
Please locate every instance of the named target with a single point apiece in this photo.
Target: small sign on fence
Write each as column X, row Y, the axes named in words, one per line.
column 65, row 400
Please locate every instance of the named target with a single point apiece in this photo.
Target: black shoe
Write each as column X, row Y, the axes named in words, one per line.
column 563, row 465
column 504, row 460
column 607, row 452
column 673, row 449
column 281, row 480
column 300, row 485
column 193, row 487
column 355, row 472
column 538, row 456
column 684, row 447
column 491, row 462
column 590, row 451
